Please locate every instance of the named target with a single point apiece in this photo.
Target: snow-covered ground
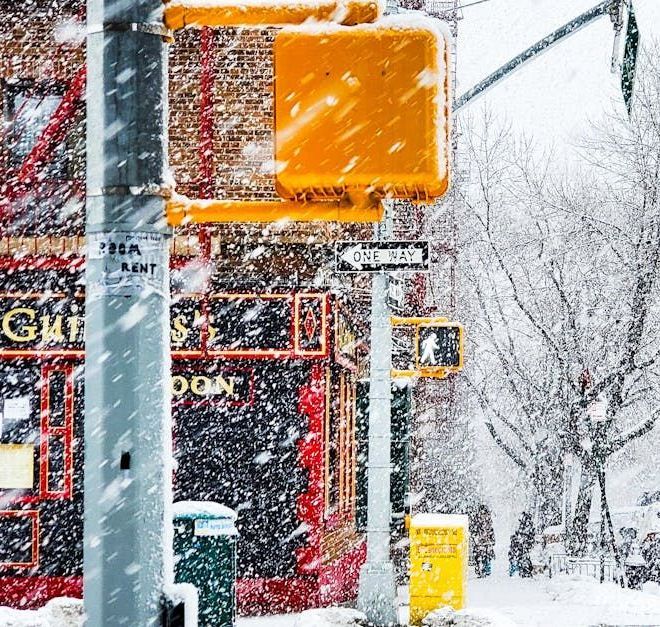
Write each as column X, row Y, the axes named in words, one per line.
column 56, row 613
column 565, row 601
column 268, row 621
column 540, row 602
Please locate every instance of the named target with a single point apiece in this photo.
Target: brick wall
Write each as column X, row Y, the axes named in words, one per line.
column 242, row 113
column 40, row 39
column 244, row 109
column 45, row 41
column 184, row 67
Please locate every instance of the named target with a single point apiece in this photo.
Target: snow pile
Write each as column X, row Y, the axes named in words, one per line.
column 21, row 618
column 187, row 594
column 651, row 587
column 449, row 617
column 440, row 521
column 70, row 31
column 64, row 612
column 61, row 612
column 331, row 617
column 568, row 589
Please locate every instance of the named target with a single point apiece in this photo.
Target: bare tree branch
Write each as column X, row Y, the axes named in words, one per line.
column 632, row 434
column 505, row 447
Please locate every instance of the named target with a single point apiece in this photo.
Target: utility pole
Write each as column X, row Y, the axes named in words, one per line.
column 127, row 351
column 377, row 587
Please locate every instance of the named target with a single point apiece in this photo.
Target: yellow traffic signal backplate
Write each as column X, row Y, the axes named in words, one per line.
column 192, row 14
column 362, row 110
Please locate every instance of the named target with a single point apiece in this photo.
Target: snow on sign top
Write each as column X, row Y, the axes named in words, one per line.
column 217, row 13
column 439, row 521
column 202, row 509
column 369, row 256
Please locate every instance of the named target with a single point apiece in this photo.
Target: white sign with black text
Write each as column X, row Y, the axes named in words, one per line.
column 387, row 256
column 131, row 263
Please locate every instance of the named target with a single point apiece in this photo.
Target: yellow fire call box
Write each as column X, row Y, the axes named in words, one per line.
column 438, row 563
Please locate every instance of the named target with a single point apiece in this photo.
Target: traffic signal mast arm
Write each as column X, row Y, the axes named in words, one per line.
column 611, row 7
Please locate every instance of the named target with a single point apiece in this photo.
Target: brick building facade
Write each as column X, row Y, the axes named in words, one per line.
column 221, row 145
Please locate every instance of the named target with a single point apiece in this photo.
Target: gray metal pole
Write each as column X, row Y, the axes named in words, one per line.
column 377, row 587
column 127, row 360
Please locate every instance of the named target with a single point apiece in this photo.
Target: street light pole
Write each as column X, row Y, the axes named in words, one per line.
column 377, row 584
column 127, row 543
column 377, row 587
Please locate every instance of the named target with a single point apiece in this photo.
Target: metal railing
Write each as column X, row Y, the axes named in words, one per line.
column 584, row 566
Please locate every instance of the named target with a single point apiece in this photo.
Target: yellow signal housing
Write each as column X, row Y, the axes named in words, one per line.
column 451, row 346
column 362, row 111
column 186, row 14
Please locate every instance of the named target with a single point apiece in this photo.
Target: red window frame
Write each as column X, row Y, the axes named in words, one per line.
column 34, row 515
column 64, row 431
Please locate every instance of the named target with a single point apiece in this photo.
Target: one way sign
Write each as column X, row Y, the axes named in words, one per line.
column 381, row 256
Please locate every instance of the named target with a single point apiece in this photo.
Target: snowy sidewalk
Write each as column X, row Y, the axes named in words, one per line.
column 541, row 602
column 565, row 602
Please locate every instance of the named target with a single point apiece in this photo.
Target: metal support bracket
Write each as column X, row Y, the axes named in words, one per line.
column 150, row 28
column 131, row 190
column 181, row 210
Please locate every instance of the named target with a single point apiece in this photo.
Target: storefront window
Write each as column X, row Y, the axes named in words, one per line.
column 340, row 445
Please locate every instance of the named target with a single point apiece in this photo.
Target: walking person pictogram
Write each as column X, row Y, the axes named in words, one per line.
column 429, row 346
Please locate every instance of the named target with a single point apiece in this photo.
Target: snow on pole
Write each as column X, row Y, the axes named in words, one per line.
column 377, row 588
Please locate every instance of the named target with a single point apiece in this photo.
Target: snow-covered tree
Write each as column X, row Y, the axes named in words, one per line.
column 564, row 270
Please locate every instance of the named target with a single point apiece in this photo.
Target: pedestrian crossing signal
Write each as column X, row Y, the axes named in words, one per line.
column 435, row 347
column 439, row 348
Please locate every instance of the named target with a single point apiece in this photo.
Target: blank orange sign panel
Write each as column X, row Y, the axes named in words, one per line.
column 362, row 110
